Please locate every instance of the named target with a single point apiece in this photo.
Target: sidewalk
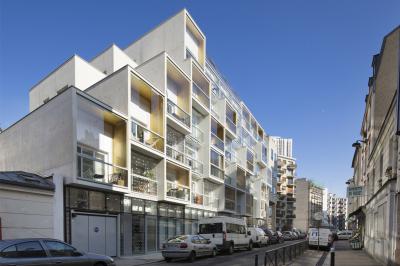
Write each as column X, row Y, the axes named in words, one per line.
column 345, row 256
column 139, row 259
column 309, row 257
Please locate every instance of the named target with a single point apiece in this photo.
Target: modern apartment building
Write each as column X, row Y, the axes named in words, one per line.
column 309, row 204
column 285, row 186
column 375, row 211
column 337, row 211
column 284, row 146
column 146, row 140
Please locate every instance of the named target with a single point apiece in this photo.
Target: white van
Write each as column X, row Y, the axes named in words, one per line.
column 227, row 233
column 320, row 237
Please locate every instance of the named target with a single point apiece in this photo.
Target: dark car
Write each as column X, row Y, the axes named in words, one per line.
column 46, row 251
column 272, row 237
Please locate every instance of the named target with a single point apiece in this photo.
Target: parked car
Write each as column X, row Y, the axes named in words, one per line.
column 287, row 235
column 281, row 239
column 334, row 234
column 188, row 246
column 258, row 236
column 321, row 237
column 227, row 233
column 273, row 238
column 47, row 251
column 299, row 233
column 344, row 235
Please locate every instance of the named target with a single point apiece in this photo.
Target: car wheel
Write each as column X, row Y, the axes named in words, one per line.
column 168, row 259
column 192, row 256
column 231, row 249
column 250, row 247
column 214, row 253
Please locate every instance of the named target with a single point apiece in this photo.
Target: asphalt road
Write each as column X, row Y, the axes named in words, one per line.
column 239, row 258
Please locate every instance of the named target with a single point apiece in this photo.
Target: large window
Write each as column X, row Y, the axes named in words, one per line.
column 91, row 163
column 210, row 228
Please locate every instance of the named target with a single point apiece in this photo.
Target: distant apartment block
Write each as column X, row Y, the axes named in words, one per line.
column 146, row 140
column 309, row 204
column 337, row 211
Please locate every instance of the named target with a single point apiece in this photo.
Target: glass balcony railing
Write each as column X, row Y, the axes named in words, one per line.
column 216, row 172
column 194, row 164
column 178, row 113
column 231, row 125
column 100, row 171
column 197, row 133
column 175, row 190
column 176, row 155
column 250, row 166
column 217, row 142
column 199, row 95
column 147, row 137
column 144, row 185
column 210, row 201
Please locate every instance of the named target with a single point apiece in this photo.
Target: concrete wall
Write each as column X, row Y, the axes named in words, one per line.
column 41, row 142
column 155, row 71
column 26, row 212
column 114, row 90
column 111, row 60
column 74, row 72
column 168, row 37
column 302, row 208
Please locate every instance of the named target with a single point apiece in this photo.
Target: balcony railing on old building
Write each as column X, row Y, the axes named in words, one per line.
column 178, row 113
column 178, row 191
column 147, row 137
column 100, row 171
column 199, row 94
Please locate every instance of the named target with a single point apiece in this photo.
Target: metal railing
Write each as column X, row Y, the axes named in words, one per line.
column 144, row 185
column 178, row 113
column 217, row 142
column 147, row 137
column 176, row 155
column 200, row 95
column 282, row 255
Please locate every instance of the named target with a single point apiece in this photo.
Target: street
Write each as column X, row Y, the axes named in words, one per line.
column 241, row 258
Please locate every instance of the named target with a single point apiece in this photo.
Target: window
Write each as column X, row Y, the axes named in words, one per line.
column 196, row 240
column 210, row 228
column 9, row 252
column 32, row 249
column 91, row 163
column 58, row 249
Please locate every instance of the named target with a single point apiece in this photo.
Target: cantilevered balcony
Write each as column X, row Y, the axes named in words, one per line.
column 217, row 142
column 231, row 120
column 147, row 137
column 177, row 183
column 144, row 173
column 200, row 95
column 99, row 135
column 178, row 113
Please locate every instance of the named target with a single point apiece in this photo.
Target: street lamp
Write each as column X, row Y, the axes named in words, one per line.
column 357, row 144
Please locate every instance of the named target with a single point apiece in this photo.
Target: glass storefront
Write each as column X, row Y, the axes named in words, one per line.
column 146, row 225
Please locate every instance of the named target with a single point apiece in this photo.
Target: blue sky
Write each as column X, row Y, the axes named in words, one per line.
column 301, row 66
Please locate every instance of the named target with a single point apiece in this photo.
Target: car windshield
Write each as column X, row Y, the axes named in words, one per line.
column 210, row 228
column 177, row 239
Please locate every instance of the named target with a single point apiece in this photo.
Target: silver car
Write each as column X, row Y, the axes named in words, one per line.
column 188, row 246
column 46, row 252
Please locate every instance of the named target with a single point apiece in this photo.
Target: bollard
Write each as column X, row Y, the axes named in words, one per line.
column 256, row 260
column 332, row 256
column 265, row 259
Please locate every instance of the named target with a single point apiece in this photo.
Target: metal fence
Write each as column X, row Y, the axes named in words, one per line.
column 282, row 255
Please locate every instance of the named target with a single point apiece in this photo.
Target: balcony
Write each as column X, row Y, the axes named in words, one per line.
column 197, row 198
column 229, row 205
column 217, row 172
column 230, row 125
column 178, row 113
column 93, row 169
column 217, row 142
column 197, row 134
column 230, row 181
column 176, row 155
column 147, row 137
column 291, row 166
column 200, row 96
column 210, row 202
column 175, row 190
column 141, row 184
column 195, row 165
column 290, row 216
